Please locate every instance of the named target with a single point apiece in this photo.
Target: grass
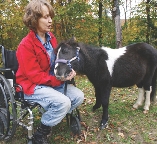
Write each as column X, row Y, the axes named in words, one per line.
column 126, row 126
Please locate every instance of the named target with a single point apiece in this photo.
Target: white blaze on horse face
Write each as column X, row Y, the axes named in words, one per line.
column 56, row 65
column 113, row 55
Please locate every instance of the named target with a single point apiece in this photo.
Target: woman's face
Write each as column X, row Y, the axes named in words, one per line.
column 45, row 22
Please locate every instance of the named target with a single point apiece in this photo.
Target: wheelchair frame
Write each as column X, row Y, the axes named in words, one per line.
column 13, row 107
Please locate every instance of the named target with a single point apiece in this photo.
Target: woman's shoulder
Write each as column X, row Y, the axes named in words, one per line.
column 29, row 39
column 25, row 45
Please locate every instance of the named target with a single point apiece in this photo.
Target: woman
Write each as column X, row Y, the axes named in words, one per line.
column 35, row 74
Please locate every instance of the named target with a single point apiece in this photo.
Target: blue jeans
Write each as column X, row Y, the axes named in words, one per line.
column 55, row 103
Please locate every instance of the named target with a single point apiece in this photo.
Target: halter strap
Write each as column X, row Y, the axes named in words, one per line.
column 68, row 62
column 60, row 61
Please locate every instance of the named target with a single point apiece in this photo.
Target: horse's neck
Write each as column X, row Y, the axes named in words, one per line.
column 88, row 57
column 92, row 58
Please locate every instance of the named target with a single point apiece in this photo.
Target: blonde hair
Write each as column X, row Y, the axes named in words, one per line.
column 33, row 11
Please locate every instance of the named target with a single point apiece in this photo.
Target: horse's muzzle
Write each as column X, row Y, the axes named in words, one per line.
column 61, row 78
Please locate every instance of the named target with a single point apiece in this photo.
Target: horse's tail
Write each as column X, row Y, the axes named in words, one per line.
column 154, row 86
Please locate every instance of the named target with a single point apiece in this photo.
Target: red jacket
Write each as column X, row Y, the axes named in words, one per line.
column 34, row 64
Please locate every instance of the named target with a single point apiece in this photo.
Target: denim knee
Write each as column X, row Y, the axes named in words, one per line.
column 66, row 104
column 81, row 97
column 56, row 112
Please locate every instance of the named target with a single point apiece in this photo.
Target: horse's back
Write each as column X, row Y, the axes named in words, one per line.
column 132, row 67
column 142, row 49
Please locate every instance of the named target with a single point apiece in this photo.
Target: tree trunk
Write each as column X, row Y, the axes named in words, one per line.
column 100, row 23
column 148, row 21
column 116, row 17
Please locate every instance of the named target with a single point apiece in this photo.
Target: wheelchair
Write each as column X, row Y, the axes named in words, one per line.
column 14, row 108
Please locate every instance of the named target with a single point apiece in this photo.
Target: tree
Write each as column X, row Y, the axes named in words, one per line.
column 148, row 20
column 142, row 24
column 116, row 17
column 100, row 10
column 12, row 29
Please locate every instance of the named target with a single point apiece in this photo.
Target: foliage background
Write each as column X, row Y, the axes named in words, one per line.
column 80, row 18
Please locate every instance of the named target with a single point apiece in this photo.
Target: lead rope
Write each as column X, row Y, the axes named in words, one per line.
column 65, row 88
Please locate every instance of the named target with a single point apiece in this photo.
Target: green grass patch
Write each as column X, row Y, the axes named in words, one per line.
column 126, row 126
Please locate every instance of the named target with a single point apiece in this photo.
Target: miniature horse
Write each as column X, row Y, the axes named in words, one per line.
column 107, row 68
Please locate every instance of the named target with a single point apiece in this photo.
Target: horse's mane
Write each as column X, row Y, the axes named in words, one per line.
column 86, row 49
column 90, row 51
column 70, row 43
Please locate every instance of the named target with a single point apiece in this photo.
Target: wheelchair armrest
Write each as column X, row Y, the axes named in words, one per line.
column 19, row 96
column 19, row 93
column 5, row 69
column 10, row 71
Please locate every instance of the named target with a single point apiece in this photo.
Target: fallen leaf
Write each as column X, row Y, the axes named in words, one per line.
column 121, row 134
column 57, row 138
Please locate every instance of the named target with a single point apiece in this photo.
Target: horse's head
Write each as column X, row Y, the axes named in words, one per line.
column 67, row 58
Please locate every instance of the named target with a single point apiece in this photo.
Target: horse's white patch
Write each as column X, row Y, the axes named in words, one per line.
column 58, row 52
column 113, row 55
column 55, row 70
column 56, row 65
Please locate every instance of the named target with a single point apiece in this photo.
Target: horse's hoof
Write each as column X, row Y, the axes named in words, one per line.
column 146, row 108
column 135, row 106
column 103, row 125
column 134, row 109
column 145, row 111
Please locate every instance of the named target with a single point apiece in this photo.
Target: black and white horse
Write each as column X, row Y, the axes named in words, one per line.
column 107, row 68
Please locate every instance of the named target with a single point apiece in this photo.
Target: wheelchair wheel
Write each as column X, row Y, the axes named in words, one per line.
column 77, row 114
column 3, row 125
column 7, row 110
column 75, row 125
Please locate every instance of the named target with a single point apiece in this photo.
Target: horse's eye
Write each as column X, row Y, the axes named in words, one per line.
column 64, row 50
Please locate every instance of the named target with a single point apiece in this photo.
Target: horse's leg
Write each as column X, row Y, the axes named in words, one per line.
column 105, row 102
column 140, row 98
column 147, row 84
column 98, row 98
column 147, row 101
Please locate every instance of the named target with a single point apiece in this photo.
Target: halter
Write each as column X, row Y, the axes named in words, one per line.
column 68, row 62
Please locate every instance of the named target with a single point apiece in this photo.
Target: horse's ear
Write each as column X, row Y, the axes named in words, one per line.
column 72, row 40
